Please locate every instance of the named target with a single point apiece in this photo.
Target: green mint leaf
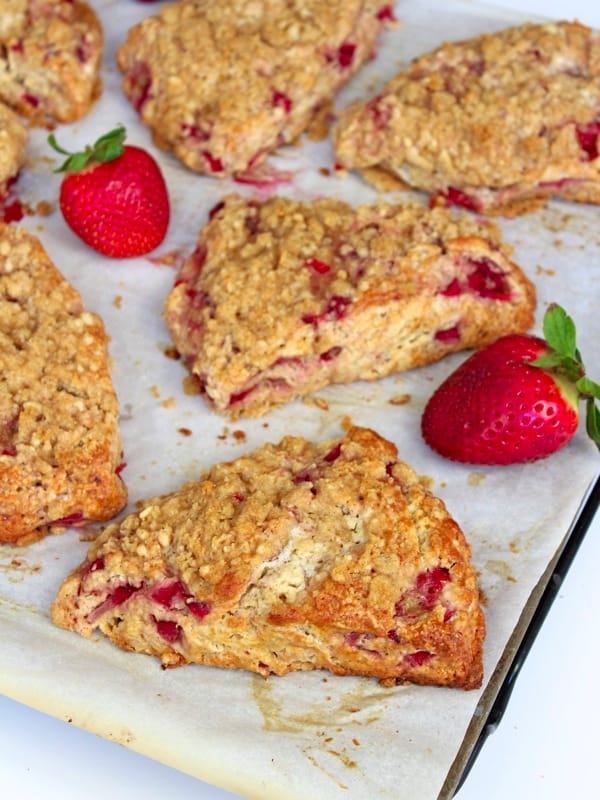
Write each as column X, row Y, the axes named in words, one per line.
column 559, row 330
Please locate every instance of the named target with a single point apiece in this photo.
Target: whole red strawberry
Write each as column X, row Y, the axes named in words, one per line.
column 515, row 400
column 114, row 197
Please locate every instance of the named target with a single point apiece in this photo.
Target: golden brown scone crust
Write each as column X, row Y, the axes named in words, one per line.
column 13, row 143
column 296, row 556
column 223, row 84
column 284, row 297
column 498, row 123
column 60, row 447
column 50, row 58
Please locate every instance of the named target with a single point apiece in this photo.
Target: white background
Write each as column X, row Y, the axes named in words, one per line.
column 545, row 746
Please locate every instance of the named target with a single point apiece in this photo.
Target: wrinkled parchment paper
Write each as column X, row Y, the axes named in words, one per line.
column 306, row 735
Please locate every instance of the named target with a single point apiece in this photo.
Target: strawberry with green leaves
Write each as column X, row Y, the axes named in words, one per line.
column 514, row 401
column 114, row 196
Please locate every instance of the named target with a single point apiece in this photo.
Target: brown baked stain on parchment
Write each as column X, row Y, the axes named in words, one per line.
column 475, row 478
column 362, row 704
column 500, row 568
column 313, row 757
column 333, row 748
column 123, row 737
column 17, row 568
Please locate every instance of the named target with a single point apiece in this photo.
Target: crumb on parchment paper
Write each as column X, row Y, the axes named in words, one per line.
column 191, row 385
column 400, row 399
column 18, row 568
column 319, row 402
column 44, row 208
column 224, row 434
column 237, row 435
column 544, row 270
column 172, row 258
column 321, row 123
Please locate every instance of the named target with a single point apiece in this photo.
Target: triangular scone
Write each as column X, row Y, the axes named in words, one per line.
column 13, row 143
column 282, row 298
column 498, row 123
column 268, row 72
column 60, row 447
column 296, row 556
column 50, row 58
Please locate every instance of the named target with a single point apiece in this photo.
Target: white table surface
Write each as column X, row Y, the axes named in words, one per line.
column 545, row 746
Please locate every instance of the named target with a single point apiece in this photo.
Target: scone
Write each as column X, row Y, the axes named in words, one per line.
column 13, row 142
column 282, row 298
column 223, row 84
column 60, row 448
column 497, row 124
column 296, row 556
column 50, row 53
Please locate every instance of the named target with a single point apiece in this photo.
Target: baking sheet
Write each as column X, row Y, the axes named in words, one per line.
column 308, row 735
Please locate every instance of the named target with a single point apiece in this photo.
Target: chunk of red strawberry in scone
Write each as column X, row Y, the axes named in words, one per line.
column 60, row 447
column 497, row 124
column 13, row 142
column 224, row 84
column 49, row 58
column 295, row 556
column 283, row 297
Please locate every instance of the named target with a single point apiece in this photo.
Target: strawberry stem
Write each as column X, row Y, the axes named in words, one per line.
column 592, row 422
column 564, row 360
column 107, row 148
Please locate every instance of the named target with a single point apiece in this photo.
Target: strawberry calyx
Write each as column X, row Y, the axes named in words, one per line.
column 107, row 148
column 563, row 361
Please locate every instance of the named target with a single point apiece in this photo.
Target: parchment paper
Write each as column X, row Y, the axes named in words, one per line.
column 306, row 735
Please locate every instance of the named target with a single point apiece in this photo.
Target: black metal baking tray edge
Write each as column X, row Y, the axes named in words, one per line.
column 507, row 671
